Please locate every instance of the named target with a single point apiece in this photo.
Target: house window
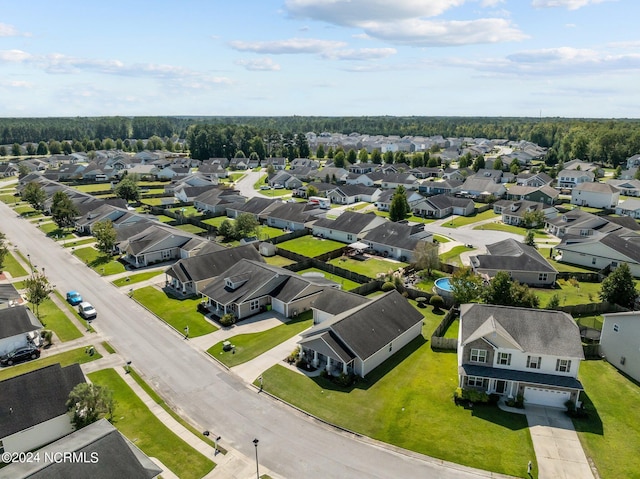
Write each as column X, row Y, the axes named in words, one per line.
column 533, row 362
column 563, row 365
column 593, row 261
column 349, row 237
column 166, row 254
column 542, row 277
column 390, row 347
column 504, row 359
column 475, row 382
column 255, row 304
column 616, row 328
column 478, row 356
column 623, row 360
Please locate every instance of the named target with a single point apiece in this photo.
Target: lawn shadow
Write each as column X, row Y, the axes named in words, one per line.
column 378, row 373
column 495, row 415
column 592, row 423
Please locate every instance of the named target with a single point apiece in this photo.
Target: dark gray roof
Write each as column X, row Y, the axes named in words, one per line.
column 330, row 345
column 510, row 255
column 8, row 292
column 521, row 376
column 371, row 326
column 348, row 221
column 217, row 195
column 117, row 457
column 335, row 301
column 37, row 396
column 255, row 205
column 535, row 330
column 294, row 212
column 17, row 320
column 210, row 265
column 629, row 249
column 626, row 221
column 354, row 190
column 398, row 235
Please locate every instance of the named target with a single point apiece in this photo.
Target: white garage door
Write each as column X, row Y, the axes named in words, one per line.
column 277, row 306
column 545, row 397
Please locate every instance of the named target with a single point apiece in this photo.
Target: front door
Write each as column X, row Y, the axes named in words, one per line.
column 500, row 387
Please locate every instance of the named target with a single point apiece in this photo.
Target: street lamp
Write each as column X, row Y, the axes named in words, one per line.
column 255, row 443
column 29, row 259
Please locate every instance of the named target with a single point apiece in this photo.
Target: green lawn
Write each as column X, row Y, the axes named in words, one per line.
column 153, row 201
column 218, row 220
column 564, row 267
column 108, row 347
column 511, row 229
column 25, row 210
column 467, row 220
column 185, row 211
column 260, row 182
column 610, row 435
column 594, row 322
column 134, row 419
column 189, row 228
column 165, row 219
column 276, row 193
column 371, row 267
column 267, row 232
column 310, row 246
column 427, row 283
column 99, row 262
column 250, row 346
column 347, row 284
column 69, row 357
column 452, row 331
column 453, row 255
column 236, row 176
column 10, row 199
column 93, row 187
column 278, row 260
column 54, row 318
column 413, row 218
column 441, row 239
column 359, row 206
column 136, row 278
column 73, row 244
column 407, row 401
column 570, row 295
column 12, row 266
column 52, row 230
column 74, row 311
column 178, row 313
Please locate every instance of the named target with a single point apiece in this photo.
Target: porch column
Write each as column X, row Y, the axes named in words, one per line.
column 344, row 368
column 315, row 359
column 328, row 368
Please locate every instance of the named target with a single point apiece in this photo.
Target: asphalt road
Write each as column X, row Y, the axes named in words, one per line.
column 291, row 444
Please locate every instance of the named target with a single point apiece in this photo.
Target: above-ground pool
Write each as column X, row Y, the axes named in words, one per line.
column 442, row 287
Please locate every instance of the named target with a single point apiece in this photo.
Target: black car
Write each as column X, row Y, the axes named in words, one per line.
column 21, row 354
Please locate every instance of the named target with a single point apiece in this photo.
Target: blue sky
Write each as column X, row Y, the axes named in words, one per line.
column 567, row 58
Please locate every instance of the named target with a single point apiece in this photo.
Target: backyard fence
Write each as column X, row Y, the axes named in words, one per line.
column 590, row 309
column 591, row 351
column 437, row 340
column 303, row 262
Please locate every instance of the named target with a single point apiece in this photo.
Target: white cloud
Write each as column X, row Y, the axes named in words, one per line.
column 490, row 3
column 360, row 54
column 14, row 56
column 568, row 4
column 16, row 84
column 570, row 25
column 260, row 64
column 292, row 45
column 353, row 12
column 7, row 30
column 443, row 33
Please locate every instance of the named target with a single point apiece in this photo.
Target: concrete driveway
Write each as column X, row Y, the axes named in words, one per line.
column 555, row 441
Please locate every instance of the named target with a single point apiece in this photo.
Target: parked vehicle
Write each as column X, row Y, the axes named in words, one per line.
column 86, row 310
column 265, row 187
column 21, row 354
column 278, row 187
column 73, row 297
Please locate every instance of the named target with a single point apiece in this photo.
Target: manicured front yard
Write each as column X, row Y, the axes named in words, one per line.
column 12, row 266
column 178, row 313
column 453, row 255
column 73, row 244
column 134, row 419
column 347, row 284
column 136, row 278
column 250, row 346
column 54, row 318
column 310, row 246
column 610, row 435
column 408, row 402
column 467, row 220
column 511, row 229
column 99, row 262
column 441, row 239
column 69, row 357
column 370, row 267
column 52, row 230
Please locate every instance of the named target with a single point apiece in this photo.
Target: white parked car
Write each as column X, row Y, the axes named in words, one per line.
column 86, row 310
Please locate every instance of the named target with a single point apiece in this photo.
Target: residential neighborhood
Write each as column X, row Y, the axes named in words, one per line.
column 300, row 279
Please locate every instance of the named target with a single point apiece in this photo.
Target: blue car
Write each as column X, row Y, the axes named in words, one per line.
column 73, row 297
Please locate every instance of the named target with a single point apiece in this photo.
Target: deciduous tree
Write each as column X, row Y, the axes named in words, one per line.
column 246, row 226
column 466, row 286
column 89, row 402
column 38, row 290
column 399, row 208
column 35, row 195
column 128, row 188
column 619, row 287
column 105, row 235
column 63, row 211
column 426, row 256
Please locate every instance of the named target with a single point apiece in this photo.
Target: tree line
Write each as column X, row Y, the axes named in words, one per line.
column 608, row 142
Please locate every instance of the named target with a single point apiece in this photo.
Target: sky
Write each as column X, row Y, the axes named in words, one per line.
column 523, row 58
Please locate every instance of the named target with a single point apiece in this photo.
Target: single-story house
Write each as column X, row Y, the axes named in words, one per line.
column 629, row 208
column 358, row 340
column 18, row 328
column 333, row 302
column 443, row 187
column 258, row 206
column 290, row 216
column 519, row 351
column 277, row 163
column 248, row 287
column 216, row 200
column 33, row 410
column 349, row 194
column 515, row 212
column 534, row 179
column 441, row 206
column 383, row 203
column 347, row 226
column 630, row 187
column 396, row 240
column 523, row 263
column 482, row 188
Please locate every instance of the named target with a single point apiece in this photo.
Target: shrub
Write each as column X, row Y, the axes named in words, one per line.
column 437, row 302
column 228, row 320
column 475, row 396
column 388, row 286
column 295, row 354
column 47, row 336
column 344, row 380
column 421, row 301
column 574, row 282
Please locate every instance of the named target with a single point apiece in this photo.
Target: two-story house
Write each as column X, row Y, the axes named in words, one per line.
column 595, row 195
column 518, row 351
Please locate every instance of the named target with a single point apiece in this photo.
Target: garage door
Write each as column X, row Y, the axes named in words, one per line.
column 277, row 306
column 545, row 397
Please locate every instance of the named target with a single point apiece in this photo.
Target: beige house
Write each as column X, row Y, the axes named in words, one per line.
column 595, row 195
column 619, row 342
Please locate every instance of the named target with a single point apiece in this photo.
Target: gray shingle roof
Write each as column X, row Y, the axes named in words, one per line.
column 17, row 320
column 348, row 221
column 398, row 235
column 509, row 255
column 335, row 301
column 536, row 330
column 37, row 396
